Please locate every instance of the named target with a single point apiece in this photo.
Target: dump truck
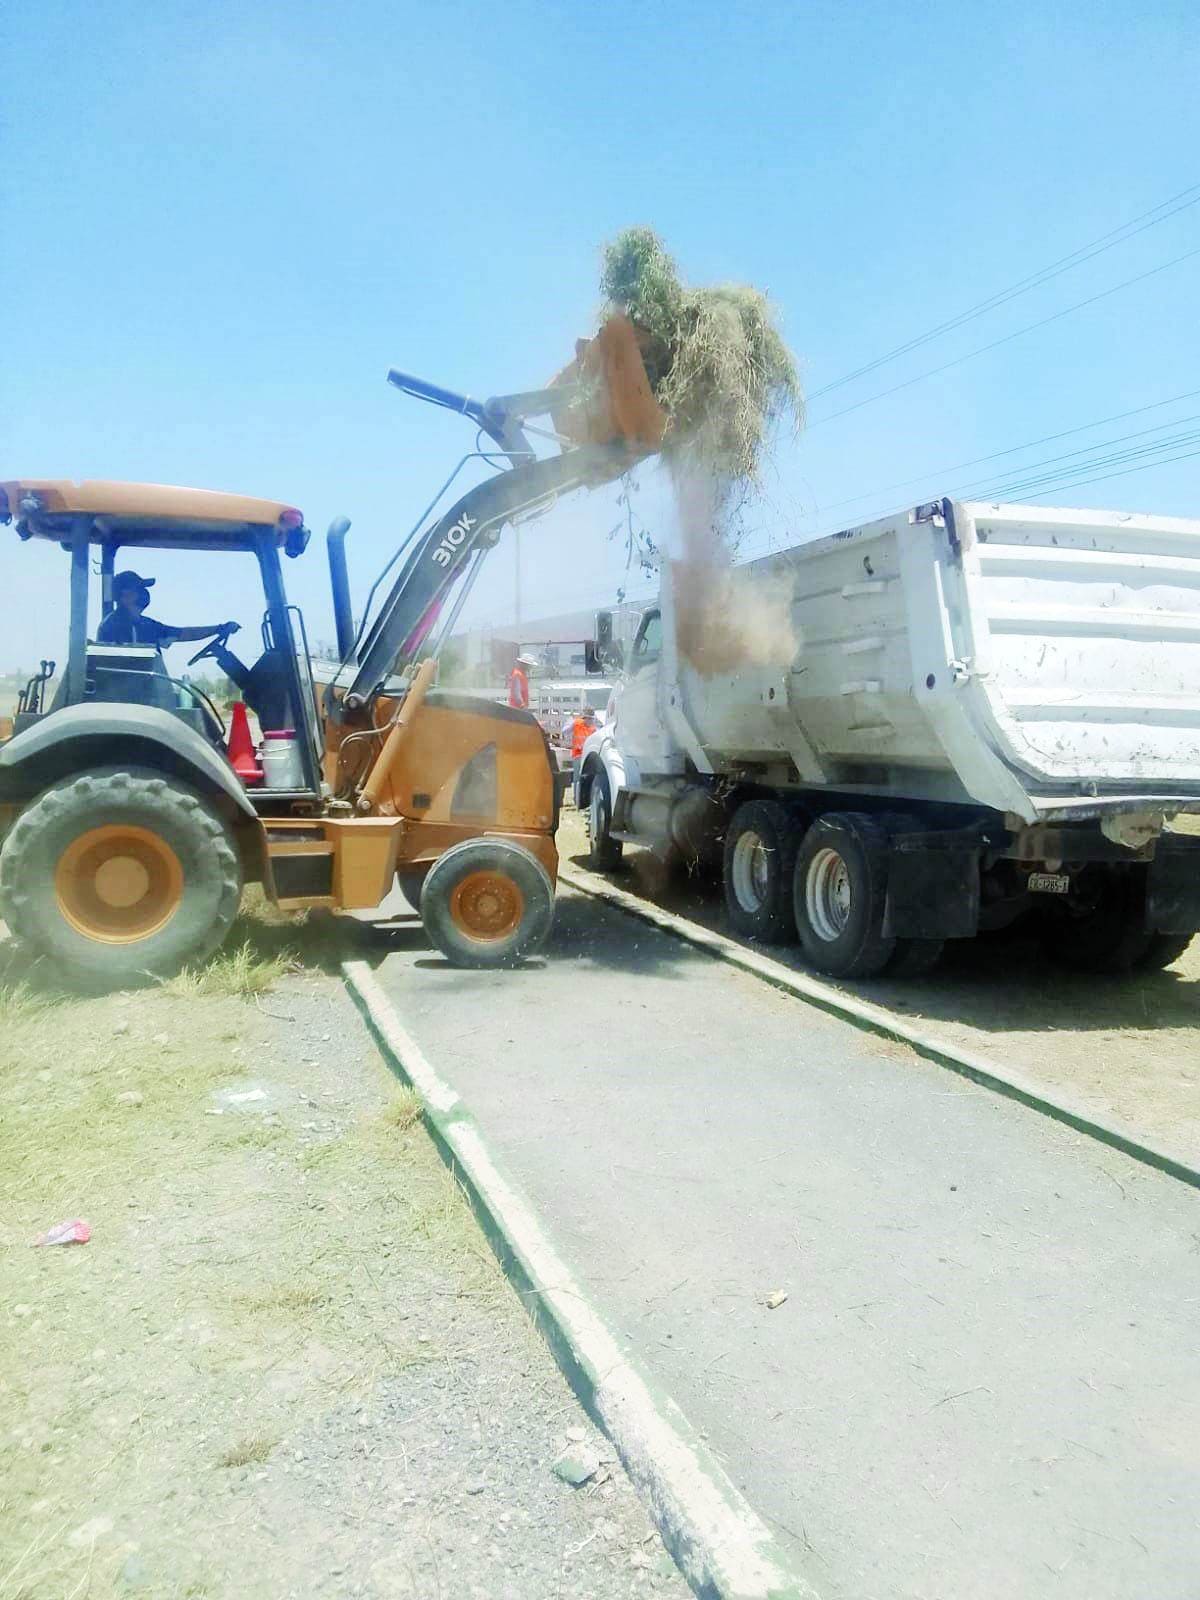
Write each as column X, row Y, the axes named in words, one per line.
column 131, row 818
column 986, row 712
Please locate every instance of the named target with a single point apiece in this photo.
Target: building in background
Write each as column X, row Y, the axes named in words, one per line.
column 563, row 646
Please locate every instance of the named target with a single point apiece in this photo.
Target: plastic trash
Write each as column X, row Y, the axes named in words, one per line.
column 75, row 1231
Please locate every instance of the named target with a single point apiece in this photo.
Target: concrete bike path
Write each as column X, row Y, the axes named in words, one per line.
column 985, row 1378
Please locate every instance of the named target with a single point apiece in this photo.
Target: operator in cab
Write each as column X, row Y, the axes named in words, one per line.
column 127, row 623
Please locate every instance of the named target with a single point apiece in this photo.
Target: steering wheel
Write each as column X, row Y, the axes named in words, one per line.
column 218, row 641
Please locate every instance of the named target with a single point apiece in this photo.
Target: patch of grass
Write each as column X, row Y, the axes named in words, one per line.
column 256, row 908
column 20, row 1001
column 293, row 1298
column 261, row 1136
column 250, row 1452
column 241, row 971
column 403, row 1112
column 316, row 939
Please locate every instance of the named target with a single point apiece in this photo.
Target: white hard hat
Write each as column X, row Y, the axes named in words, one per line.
column 526, row 660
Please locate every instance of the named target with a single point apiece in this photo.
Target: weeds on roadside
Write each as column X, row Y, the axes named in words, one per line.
column 402, row 1112
column 20, row 1001
column 241, row 972
column 249, row 1452
column 287, row 1297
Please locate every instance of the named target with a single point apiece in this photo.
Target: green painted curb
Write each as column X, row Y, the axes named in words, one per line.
column 758, row 1569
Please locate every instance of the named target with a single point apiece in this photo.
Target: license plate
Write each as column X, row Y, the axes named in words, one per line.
column 1049, row 883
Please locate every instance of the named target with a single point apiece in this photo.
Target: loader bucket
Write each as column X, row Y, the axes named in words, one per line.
column 607, row 397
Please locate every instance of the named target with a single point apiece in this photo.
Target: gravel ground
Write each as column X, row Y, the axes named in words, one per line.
column 286, row 1363
column 1125, row 1047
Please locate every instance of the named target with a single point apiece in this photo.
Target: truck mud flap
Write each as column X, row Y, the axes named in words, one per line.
column 932, row 890
column 1173, row 885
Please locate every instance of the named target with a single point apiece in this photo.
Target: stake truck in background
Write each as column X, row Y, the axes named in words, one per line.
column 991, row 710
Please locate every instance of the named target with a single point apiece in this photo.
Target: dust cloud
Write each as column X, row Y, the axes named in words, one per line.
column 725, row 618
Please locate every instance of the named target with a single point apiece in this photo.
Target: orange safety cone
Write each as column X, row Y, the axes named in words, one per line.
column 241, row 746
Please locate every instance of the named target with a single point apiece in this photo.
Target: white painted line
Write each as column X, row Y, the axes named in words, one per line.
column 722, row 1546
column 989, row 1074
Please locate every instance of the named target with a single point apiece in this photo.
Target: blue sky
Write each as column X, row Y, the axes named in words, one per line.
column 226, row 222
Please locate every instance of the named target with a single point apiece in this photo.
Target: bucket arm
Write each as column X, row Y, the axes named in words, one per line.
column 605, row 413
column 440, row 556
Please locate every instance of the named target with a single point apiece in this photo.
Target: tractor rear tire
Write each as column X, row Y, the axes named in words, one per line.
column 487, row 903
column 119, row 876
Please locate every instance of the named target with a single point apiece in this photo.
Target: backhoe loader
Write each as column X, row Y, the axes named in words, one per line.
column 127, row 832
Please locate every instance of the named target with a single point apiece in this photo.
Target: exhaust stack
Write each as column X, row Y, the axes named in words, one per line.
column 339, row 584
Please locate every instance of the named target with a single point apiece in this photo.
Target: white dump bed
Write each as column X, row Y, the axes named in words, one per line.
column 1037, row 660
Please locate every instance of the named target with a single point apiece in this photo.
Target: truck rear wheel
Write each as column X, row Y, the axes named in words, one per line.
column 1163, row 951
column 1101, row 929
column 487, row 903
column 760, row 858
column 840, row 891
column 604, row 852
column 119, row 876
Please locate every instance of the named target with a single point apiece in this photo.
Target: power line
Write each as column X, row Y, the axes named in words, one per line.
column 1020, row 473
column 1088, row 252
column 1046, row 482
column 1015, row 449
column 1019, row 490
column 1081, row 482
column 1031, row 327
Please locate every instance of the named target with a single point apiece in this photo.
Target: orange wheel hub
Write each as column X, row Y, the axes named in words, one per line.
column 487, row 905
column 118, row 884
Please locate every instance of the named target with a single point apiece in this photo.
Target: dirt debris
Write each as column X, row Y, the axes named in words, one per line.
column 727, row 619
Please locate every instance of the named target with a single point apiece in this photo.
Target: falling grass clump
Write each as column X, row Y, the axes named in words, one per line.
column 716, row 360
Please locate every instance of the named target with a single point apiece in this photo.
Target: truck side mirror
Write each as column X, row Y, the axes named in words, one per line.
column 607, row 650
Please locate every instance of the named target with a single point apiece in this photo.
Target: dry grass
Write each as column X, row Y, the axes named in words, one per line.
column 19, row 1002
column 716, row 360
column 251, row 1452
column 289, row 1298
column 403, row 1112
column 241, row 972
column 216, row 1265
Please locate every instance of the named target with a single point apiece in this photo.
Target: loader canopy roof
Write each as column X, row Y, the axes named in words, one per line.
column 151, row 515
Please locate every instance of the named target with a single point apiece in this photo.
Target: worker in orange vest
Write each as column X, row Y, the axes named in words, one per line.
column 584, row 725
column 518, row 682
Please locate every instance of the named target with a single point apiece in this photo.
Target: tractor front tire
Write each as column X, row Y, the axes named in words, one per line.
column 487, row 903
column 119, row 876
